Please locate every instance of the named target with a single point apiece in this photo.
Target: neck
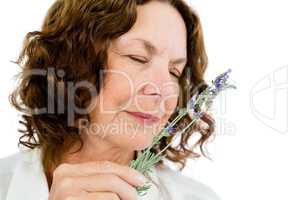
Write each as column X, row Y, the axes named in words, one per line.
column 95, row 149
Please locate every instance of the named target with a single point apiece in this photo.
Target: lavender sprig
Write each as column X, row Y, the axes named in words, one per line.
column 197, row 106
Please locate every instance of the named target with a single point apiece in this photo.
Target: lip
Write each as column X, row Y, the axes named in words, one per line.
column 144, row 118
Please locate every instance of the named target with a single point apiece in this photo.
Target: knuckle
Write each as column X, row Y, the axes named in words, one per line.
column 60, row 170
column 113, row 196
column 70, row 198
column 105, row 164
column 114, row 180
column 66, row 182
column 133, row 171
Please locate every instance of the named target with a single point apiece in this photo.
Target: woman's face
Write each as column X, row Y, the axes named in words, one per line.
column 141, row 76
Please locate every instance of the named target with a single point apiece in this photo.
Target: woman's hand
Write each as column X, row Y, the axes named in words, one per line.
column 100, row 180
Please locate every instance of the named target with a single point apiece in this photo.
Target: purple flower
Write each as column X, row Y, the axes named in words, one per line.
column 191, row 104
column 199, row 114
column 169, row 128
column 221, row 79
column 218, row 84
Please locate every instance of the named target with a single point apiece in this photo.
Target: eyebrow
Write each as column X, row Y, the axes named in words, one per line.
column 152, row 49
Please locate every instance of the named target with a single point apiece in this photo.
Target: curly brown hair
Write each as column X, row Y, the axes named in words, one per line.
column 77, row 33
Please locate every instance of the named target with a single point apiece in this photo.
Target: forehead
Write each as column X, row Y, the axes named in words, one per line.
column 159, row 28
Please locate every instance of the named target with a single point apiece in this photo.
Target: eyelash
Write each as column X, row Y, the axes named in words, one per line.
column 144, row 62
column 138, row 60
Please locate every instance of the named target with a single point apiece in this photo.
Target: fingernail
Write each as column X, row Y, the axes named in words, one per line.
column 141, row 180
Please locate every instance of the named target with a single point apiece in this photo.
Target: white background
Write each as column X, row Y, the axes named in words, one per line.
column 255, row 151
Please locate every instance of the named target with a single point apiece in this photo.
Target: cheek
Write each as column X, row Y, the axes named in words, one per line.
column 118, row 88
column 171, row 104
column 171, row 100
column 113, row 98
column 118, row 91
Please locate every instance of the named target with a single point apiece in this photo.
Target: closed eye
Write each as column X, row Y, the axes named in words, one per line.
column 134, row 58
column 176, row 75
column 139, row 60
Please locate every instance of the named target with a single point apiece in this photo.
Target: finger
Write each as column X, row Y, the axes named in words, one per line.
column 94, row 196
column 128, row 174
column 102, row 196
column 106, row 183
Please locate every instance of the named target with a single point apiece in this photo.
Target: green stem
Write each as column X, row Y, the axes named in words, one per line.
column 178, row 118
column 176, row 137
column 160, row 135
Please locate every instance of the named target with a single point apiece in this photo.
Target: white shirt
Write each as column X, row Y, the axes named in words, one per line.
column 22, row 178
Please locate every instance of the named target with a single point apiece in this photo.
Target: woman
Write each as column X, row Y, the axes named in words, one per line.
column 98, row 82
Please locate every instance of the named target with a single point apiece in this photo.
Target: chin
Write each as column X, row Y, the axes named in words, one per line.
column 135, row 142
column 142, row 144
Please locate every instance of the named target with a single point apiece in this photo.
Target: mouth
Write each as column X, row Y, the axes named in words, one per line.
column 144, row 118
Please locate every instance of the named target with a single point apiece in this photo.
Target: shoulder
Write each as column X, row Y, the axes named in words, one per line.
column 8, row 163
column 8, row 167
column 185, row 187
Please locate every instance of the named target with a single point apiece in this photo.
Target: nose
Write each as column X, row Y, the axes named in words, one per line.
column 159, row 81
column 152, row 91
column 158, row 88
